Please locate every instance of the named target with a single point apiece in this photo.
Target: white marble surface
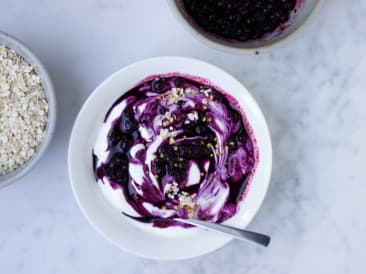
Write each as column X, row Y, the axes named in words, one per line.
column 312, row 92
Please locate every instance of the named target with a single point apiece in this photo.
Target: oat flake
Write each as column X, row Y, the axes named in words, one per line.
column 23, row 111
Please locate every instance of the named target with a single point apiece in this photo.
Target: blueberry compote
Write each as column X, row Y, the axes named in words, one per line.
column 175, row 146
column 240, row 20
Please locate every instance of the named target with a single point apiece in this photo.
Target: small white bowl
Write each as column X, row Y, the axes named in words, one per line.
column 304, row 11
column 21, row 49
column 142, row 239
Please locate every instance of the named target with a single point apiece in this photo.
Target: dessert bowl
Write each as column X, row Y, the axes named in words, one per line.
column 304, row 9
column 143, row 239
column 31, row 59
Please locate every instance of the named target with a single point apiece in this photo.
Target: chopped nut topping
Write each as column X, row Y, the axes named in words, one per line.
column 164, row 133
column 191, row 103
column 191, row 116
column 206, row 91
column 185, row 200
column 172, row 190
column 168, row 114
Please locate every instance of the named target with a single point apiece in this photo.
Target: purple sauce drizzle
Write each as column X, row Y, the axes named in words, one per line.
column 170, row 127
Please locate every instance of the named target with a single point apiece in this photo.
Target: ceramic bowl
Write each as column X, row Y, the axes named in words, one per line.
column 21, row 49
column 303, row 11
column 143, row 239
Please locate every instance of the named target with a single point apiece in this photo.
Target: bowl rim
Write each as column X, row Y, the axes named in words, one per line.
column 196, row 33
column 20, row 48
column 82, row 192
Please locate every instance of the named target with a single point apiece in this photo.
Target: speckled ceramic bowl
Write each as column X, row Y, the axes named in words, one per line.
column 305, row 9
column 21, row 49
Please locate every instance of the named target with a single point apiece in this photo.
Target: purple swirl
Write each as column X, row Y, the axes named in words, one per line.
column 177, row 147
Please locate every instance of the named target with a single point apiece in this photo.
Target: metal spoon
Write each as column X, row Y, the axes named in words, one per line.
column 237, row 233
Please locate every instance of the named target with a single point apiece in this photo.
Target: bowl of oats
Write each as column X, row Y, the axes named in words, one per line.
column 27, row 109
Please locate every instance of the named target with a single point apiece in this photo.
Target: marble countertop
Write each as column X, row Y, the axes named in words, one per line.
column 312, row 92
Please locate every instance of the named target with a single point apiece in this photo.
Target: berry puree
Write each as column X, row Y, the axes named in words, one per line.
column 241, row 20
column 175, row 146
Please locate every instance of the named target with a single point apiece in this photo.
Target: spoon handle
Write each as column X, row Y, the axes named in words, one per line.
column 240, row 234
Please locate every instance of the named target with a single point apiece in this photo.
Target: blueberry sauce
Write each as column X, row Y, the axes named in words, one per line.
column 240, row 20
column 177, row 147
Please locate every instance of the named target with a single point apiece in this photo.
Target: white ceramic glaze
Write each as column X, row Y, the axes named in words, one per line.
column 141, row 239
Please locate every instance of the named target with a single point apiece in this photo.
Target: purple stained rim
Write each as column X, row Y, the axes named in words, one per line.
column 177, row 146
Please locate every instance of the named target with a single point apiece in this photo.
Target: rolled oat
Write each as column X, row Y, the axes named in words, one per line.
column 23, row 110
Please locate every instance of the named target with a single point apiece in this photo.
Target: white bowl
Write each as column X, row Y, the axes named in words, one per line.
column 305, row 9
column 142, row 239
column 21, row 49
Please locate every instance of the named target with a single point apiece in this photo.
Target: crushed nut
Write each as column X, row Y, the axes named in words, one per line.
column 185, row 200
column 172, row 190
column 191, row 104
column 164, row 133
